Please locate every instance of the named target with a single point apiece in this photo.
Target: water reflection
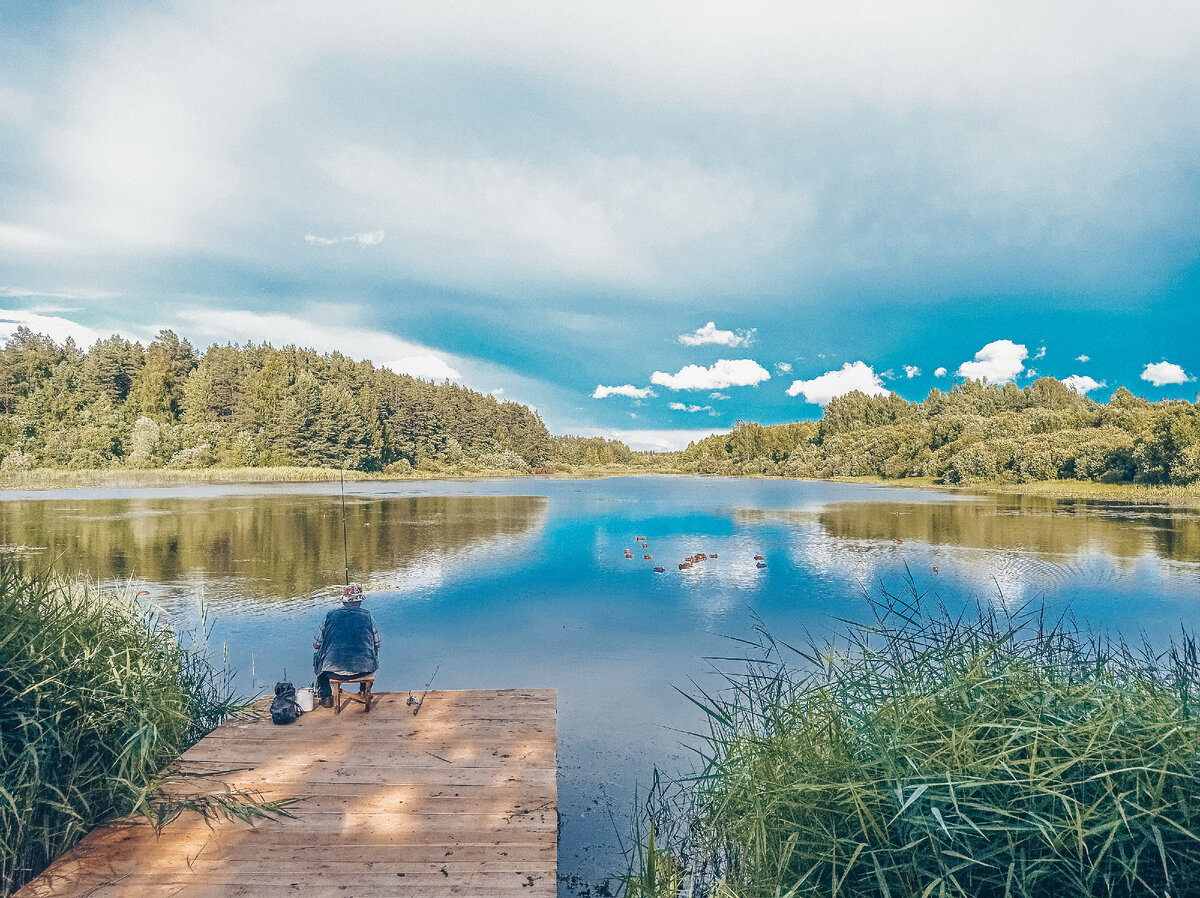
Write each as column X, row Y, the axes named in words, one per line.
column 1045, row 528
column 265, row 548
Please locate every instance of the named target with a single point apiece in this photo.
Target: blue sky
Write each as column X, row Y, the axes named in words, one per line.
column 643, row 220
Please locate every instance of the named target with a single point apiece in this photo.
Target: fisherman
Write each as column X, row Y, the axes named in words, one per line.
column 347, row 644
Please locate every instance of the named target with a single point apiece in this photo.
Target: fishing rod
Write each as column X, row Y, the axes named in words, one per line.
column 418, row 702
column 345, row 542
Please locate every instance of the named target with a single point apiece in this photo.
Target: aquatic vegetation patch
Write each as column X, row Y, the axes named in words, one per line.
column 928, row 753
column 96, row 697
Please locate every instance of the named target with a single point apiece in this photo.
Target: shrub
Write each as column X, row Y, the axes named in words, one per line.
column 976, row 462
column 17, row 461
column 980, row 755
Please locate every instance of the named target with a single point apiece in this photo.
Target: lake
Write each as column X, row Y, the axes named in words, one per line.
column 523, row 583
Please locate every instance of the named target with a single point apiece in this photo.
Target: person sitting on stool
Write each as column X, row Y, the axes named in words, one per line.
column 347, row 644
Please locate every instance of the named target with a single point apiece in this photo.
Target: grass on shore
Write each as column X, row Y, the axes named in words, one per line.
column 936, row 754
column 122, row 478
column 125, row 478
column 96, row 697
column 1141, row 493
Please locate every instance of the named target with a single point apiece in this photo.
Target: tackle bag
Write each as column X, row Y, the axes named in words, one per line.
column 285, row 708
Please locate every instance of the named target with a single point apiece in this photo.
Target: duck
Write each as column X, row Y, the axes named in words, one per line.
column 759, row 558
column 660, row 570
column 648, row 557
column 760, row 564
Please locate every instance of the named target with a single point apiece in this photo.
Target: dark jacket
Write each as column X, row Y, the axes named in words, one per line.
column 347, row 643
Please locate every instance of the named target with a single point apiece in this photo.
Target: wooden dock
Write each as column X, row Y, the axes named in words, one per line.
column 460, row 800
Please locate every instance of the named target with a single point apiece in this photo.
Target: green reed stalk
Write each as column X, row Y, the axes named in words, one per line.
column 96, row 696
column 925, row 753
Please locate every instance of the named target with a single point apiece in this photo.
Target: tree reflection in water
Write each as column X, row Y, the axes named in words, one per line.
column 269, row 548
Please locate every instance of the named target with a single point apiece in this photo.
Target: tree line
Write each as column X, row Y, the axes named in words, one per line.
column 121, row 404
column 974, row 432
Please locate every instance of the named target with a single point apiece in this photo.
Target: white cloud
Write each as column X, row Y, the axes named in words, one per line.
column 998, row 362
column 162, row 98
column 720, row 397
column 1162, row 373
column 653, row 440
column 721, row 374
column 939, row 372
column 911, row 371
column 783, row 367
column 1083, row 358
column 499, row 391
column 851, row 376
column 425, row 367
column 364, row 239
column 1082, row 384
column 52, row 326
column 680, row 407
column 629, row 390
column 19, row 238
column 487, row 219
column 1041, row 353
column 709, row 334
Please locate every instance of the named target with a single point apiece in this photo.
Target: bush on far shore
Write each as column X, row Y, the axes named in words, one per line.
column 928, row 753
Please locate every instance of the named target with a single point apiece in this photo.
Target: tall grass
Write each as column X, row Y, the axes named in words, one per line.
column 932, row 754
column 96, row 696
column 122, row 478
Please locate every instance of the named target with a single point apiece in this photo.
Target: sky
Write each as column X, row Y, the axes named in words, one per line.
column 644, row 220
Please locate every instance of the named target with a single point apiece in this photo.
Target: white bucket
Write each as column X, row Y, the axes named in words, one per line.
column 306, row 699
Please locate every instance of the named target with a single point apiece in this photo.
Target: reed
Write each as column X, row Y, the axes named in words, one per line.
column 96, row 696
column 934, row 754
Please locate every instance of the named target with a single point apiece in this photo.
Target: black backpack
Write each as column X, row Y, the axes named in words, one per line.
column 285, row 708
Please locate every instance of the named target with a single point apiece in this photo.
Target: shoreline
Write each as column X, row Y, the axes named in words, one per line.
column 58, row 479
column 1136, row 493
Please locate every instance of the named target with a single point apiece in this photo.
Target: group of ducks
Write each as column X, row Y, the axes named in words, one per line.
column 694, row 559
column 688, row 562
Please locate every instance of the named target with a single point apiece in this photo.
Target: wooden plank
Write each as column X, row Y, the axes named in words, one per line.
column 459, row 755
column 431, row 887
column 197, row 854
column 268, row 876
column 368, row 728
column 427, row 795
column 454, row 804
column 432, row 772
column 459, row 800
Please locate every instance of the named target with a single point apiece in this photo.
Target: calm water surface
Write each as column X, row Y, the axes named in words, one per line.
column 524, row 583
